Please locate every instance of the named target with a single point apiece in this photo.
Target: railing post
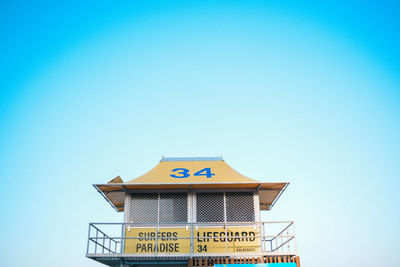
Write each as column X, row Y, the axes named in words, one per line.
column 95, row 246
column 88, row 240
column 260, row 234
column 122, row 238
column 294, row 234
column 156, row 250
column 191, row 238
column 226, row 237
column 297, row 261
column 104, row 240
column 264, row 238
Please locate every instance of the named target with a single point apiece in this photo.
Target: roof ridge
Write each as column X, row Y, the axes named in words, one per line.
column 163, row 159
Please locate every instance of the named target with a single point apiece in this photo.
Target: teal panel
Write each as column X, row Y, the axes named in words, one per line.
column 285, row 264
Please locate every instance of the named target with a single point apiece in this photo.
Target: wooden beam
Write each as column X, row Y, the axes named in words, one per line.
column 298, row 261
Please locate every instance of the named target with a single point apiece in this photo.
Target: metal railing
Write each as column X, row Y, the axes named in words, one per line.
column 192, row 239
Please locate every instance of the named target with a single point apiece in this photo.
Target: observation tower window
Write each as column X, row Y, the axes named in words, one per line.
column 239, row 207
column 173, row 208
column 210, row 207
column 234, row 206
column 158, row 207
column 143, row 208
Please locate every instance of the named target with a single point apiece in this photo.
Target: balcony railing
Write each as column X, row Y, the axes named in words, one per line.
column 191, row 239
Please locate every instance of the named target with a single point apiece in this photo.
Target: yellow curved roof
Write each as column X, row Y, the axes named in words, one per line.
column 174, row 170
column 187, row 174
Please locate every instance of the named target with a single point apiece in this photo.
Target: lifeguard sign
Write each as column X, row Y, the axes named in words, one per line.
column 190, row 210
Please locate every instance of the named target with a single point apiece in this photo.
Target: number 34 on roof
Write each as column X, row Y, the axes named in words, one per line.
column 184, row 173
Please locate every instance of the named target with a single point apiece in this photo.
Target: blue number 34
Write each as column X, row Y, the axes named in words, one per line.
column 204, row 172
column 184, row 173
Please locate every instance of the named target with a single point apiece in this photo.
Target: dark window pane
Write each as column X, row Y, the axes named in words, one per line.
column 239, row 207
column 210, row 207
column 143, row 208
column 173, row 207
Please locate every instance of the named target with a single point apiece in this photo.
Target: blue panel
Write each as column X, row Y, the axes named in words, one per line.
column 286, row 264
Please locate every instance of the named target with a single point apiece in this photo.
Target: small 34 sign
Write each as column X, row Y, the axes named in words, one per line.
column 185, row 173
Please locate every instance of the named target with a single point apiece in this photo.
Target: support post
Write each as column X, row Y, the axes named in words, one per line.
column 297, row 261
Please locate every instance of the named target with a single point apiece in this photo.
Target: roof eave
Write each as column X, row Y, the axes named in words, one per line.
column 123, row 188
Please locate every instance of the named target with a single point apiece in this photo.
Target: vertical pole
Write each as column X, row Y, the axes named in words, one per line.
column 226, row 225
column 191, row 238
column 264, row 238
column 88, row 240
column 297, row 261
column 191, row 219
column 104, row 240
column 294, row 234
column 259, row 234
column 95, row 246
column 156, row 250
column 127, row 211
column 226, row 238
column 158, row 222
column 122, row 238
column 261, row 237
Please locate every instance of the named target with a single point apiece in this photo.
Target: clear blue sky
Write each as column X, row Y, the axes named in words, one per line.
column 306, row 92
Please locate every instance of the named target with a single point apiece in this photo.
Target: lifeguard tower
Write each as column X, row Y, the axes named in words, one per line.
column 192, row 212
